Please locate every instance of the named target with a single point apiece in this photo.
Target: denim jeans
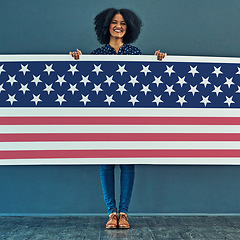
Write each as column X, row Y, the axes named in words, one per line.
column 108, row 186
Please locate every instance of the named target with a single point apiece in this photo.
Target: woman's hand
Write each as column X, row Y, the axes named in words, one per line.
column 160, row 55
column 76, row 54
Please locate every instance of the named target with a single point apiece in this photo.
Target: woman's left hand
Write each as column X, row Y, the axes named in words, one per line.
column 160, row 55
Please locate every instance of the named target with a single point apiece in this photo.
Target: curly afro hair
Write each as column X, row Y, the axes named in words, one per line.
column 103, row 19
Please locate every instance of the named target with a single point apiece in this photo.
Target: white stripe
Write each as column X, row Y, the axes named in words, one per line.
column 199, row 59
column 14, row 146
column 128, row 58
column 97, row 161
column 119, row 129
column 71, row 60
column 85, row 57
column 128, row 112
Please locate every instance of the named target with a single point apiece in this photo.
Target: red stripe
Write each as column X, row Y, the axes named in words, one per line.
column 60, row 137
column 119, row 120
column 120, row 154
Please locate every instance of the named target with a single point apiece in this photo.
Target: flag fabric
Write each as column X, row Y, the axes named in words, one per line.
column 94, row 112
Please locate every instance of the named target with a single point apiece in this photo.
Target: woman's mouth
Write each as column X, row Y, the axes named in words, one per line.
column 117, row 30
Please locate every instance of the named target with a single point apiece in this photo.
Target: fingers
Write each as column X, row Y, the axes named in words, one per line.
column 160, row 55
column 80, row 53
column 76, row 55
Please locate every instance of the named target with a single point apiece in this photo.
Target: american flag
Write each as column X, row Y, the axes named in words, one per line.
column 94, row 112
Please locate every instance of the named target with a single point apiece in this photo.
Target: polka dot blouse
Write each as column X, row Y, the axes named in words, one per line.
column 126, row 49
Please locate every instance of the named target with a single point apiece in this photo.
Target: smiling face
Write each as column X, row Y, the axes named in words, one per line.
column 118, row 26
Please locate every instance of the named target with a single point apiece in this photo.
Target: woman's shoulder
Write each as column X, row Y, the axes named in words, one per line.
column 129, row 46
column 132, row 49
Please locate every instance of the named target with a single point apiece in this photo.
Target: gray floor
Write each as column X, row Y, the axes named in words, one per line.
column 175, row 228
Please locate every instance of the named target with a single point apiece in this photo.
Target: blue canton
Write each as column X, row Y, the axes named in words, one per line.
column 119, row 84
column 125, row 50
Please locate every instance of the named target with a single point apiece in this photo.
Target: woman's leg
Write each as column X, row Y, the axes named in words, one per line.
column 108, row 186
column 127, row 180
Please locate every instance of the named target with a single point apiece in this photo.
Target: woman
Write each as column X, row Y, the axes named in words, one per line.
column 116, row 29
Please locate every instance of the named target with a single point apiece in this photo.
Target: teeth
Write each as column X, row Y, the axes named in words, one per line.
column 117, row 30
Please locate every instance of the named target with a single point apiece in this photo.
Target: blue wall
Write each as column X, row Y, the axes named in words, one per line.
column 178, row 27
column 158, row 189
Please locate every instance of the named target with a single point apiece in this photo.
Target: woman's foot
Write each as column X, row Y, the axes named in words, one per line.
column 123, row 220
column 112, row 221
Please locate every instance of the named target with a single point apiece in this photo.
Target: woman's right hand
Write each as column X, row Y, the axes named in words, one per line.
column 76, row 55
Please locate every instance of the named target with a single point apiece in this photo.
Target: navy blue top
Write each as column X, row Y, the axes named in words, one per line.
column 126, row 49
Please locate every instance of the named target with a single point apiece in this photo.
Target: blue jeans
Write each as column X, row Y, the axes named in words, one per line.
column 108, row 186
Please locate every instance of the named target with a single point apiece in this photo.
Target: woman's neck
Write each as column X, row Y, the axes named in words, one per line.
column 116, row 43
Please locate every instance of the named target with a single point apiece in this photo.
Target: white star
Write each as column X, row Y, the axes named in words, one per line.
column 24, row 69
column 238, row 72
column 24, row 88
column 48, row 69
column 85, row 80
column 169, row 70
column 193, row 90
column 133, row 99
column 193, row 70
column 1, row 69
column 11, row 99
column 217, row 71
column 61, row 80
column 169, row 89
column 181, row 81
column 157, row 80
column 11, row 80
column 109, row 99
column 109, row 80
column 97, row 88
column 217, row 90
column 238, row 91
column 205, row 100
column 36, row 80
column 73, row 88
column 73, row 69
column 229, row 100
column 48, row 88
column 205, row 81
column 121, row 89
column 97, row 69
column 145, row 89
column 121, row 69
column 60, row 99
column 36, row 99
column 133, row 80
column 229, row 82
column 157, row 100
column 1, row 88
column 181, row 100
column 85, row 99
column 145, row 70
